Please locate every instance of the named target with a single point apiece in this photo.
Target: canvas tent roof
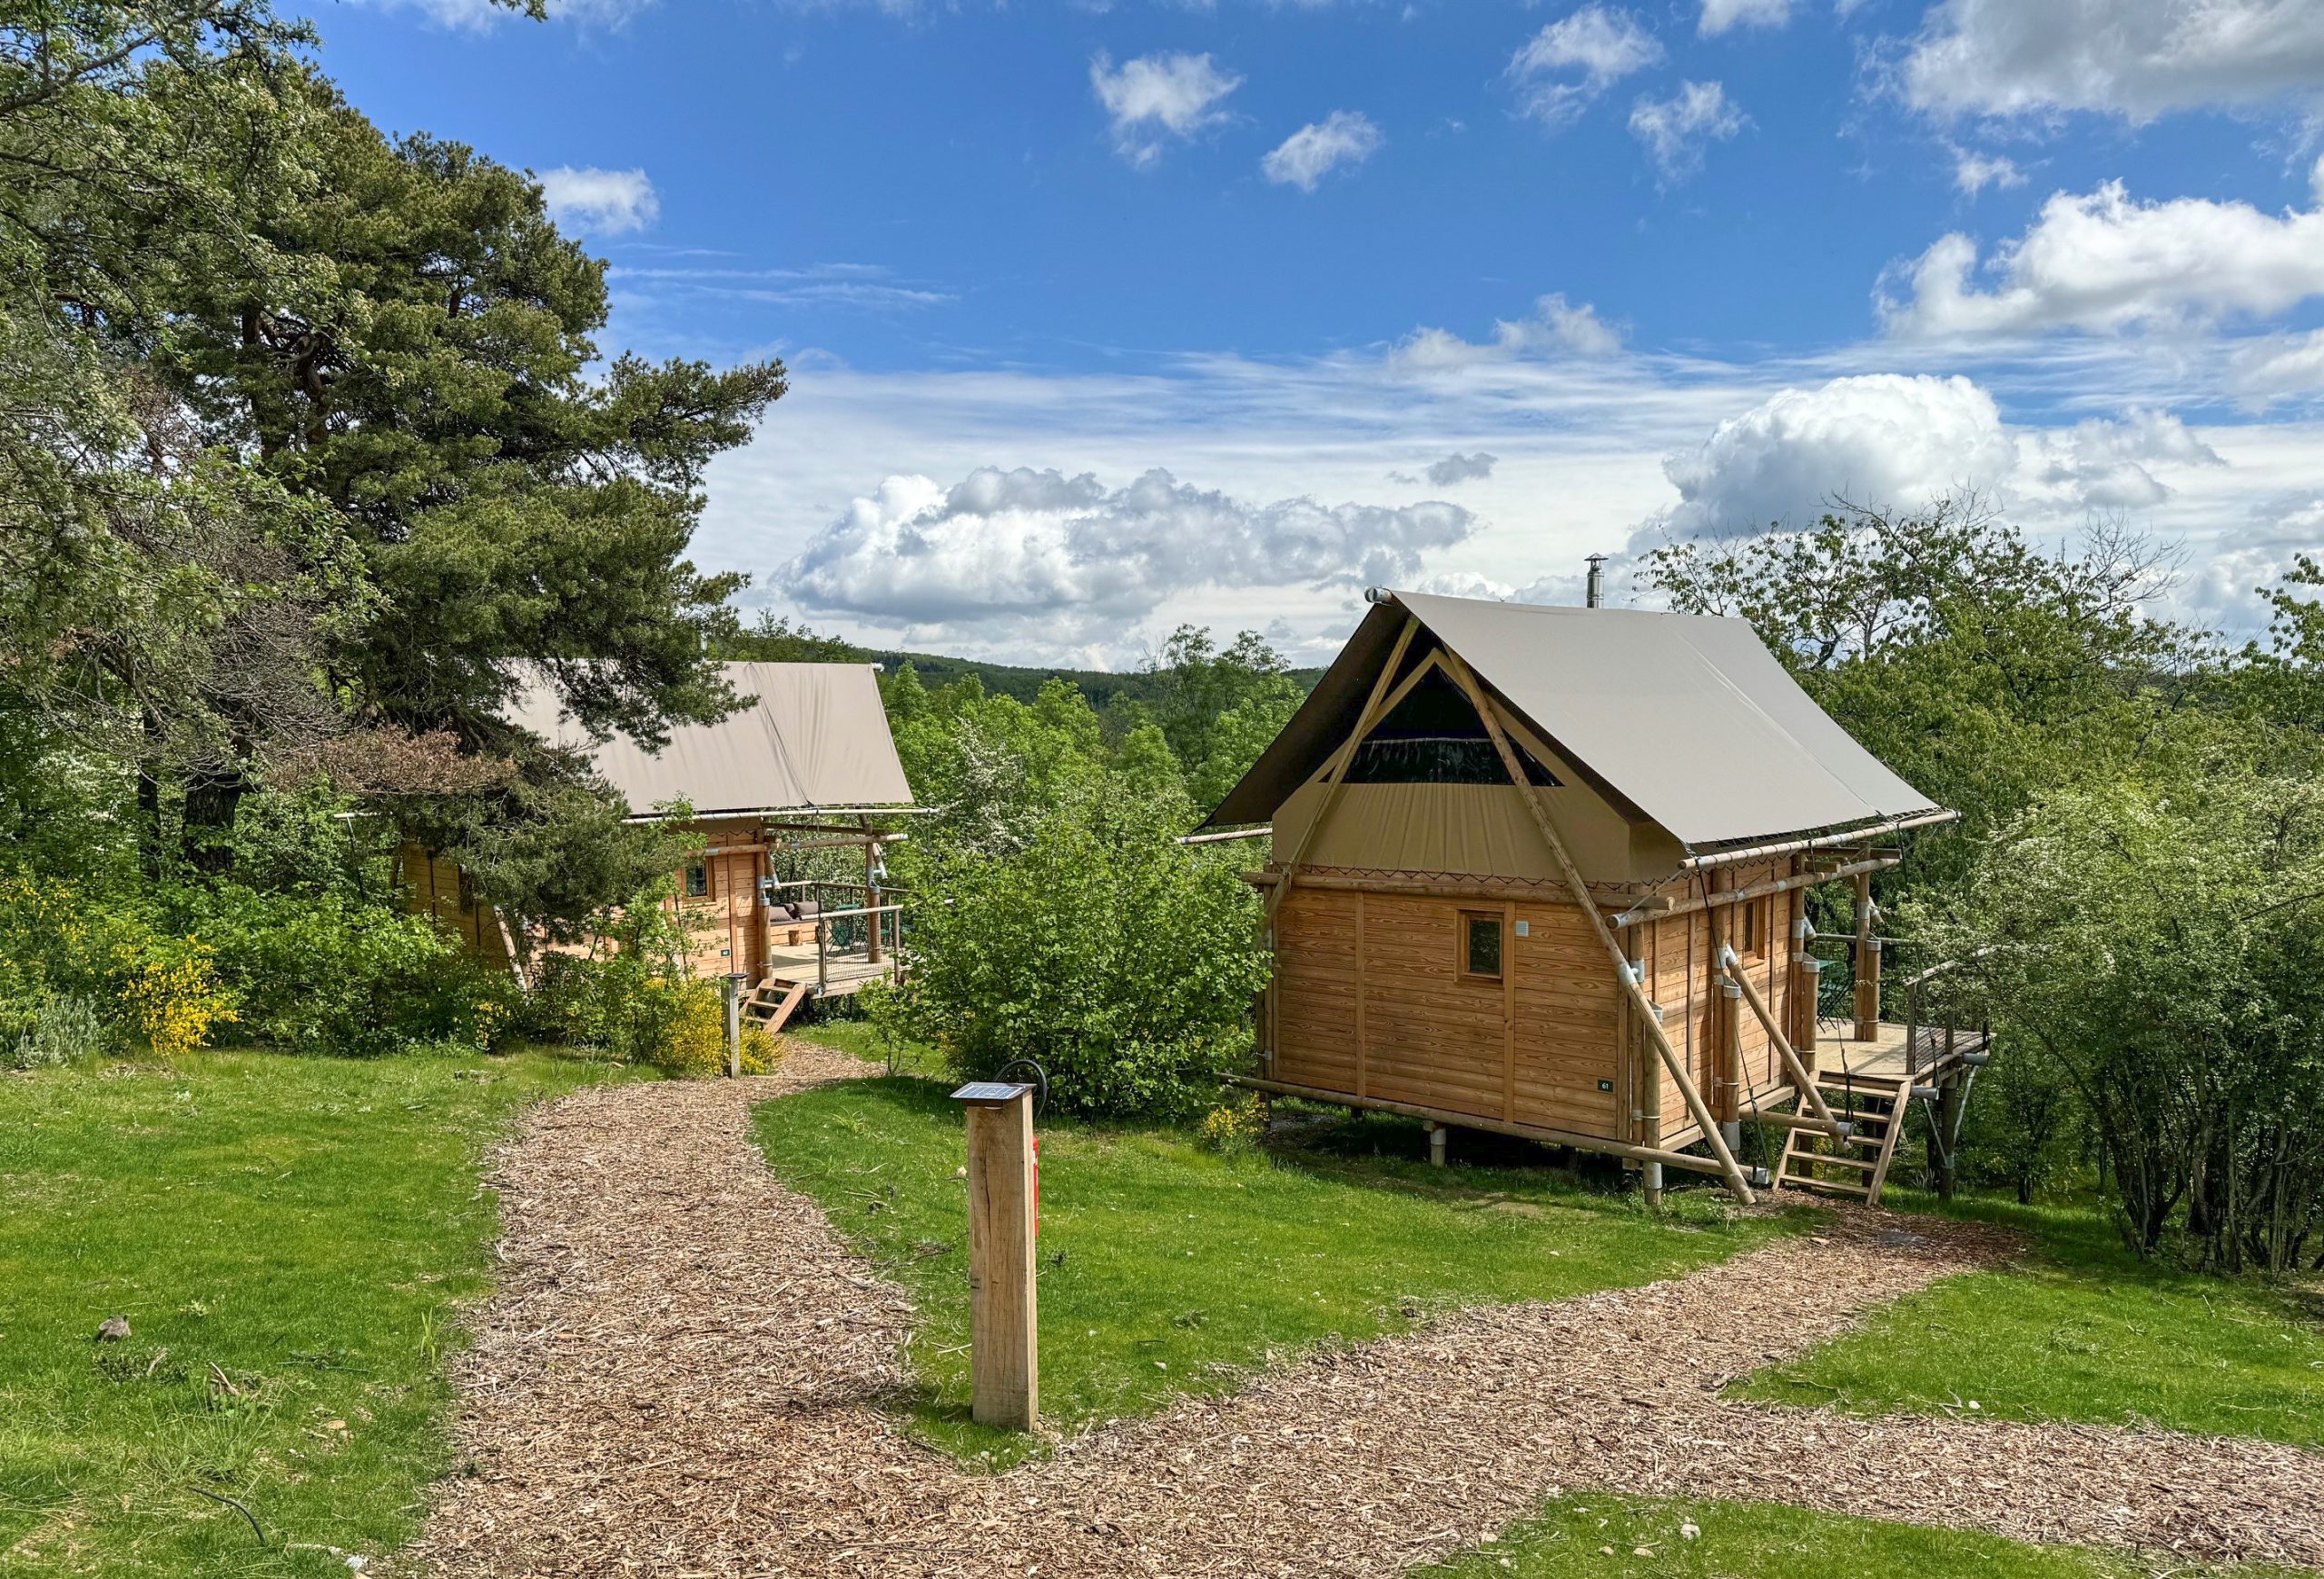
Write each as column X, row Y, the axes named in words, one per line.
column 814, row 737
column 1684, row 719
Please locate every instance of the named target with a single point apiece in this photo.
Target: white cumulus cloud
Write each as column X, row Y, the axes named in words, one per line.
column 1315, row 150
column 1572, row 61
column 1677, row 129
column 2103, row 464
column 1159, row 98
column 2132, row 58
column 1882, row 439
column 1901, row 442
column 1718, row 15
column 1037, row 546
column 2103, row 261
column 604, row 202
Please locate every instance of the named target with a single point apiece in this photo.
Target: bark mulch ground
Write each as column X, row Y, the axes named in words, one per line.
column 684, row 1372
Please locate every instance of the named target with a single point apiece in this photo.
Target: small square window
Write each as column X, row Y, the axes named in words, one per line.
column 1481, row 946
column 697, row 880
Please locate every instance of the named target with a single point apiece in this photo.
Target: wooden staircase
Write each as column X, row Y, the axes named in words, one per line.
column 773, row 1002
column 1856, row 1165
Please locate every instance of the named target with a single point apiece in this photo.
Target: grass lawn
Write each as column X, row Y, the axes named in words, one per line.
column 1166, row 1268
column 290, row 1239
column 1604, row 1537
column 2085, row 1331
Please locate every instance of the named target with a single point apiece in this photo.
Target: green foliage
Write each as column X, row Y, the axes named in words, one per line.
column 1167, row 1268
column 305, row 437
column 2158, row 944
column 1218, row 710
column 769, row 639
column 329, row 974
column 1121, row 961
column 313, row 1228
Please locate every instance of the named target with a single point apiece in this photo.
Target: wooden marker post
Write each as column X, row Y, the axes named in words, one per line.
column 734, row 1023
column 1004, row 1360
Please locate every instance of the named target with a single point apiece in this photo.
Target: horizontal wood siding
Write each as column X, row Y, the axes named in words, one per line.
column 1314, row 987
column 1532, row 1048
column 1564, row 1030
column 1430, row 1037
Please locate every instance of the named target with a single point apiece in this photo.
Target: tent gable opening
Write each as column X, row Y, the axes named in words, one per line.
column 1434, row 735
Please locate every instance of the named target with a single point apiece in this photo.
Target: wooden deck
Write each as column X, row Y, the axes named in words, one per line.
column 1881, row 1061
column 845, row 970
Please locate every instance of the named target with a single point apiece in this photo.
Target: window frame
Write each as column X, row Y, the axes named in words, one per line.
column 1462, row 921
column 703, row 867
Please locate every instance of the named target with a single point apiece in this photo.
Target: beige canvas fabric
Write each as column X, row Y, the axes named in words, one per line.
column 1687, row 720
column 814, row 736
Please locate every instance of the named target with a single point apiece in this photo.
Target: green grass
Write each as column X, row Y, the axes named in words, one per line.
column 1603, row 1536
column 1166, row 1268
column 2081, row 1330
column 290, row 1240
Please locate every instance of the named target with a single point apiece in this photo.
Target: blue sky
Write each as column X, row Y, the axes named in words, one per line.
column 1106, row 316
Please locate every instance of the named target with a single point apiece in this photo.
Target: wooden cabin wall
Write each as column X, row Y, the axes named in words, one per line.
column 1679, row 955
column 723, row 927
column 433, row 885
column 1369, row 1000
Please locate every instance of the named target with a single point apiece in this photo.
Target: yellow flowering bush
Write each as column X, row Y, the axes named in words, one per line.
column 173, row 994
column 1236, row 1128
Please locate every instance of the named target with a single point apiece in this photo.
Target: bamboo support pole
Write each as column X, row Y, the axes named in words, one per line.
column 1650, row 1021
column 1867, row 963
column 1335, row 771
column 1792, row 1064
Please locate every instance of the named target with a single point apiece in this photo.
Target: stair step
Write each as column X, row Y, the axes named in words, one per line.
column 1836, row 1161
column 1836, row 1186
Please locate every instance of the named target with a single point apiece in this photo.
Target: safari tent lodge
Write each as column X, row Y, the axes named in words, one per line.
column 806, row 765
column 1545, row 872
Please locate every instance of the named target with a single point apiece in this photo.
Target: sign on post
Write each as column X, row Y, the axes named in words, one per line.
column 1004, row 1363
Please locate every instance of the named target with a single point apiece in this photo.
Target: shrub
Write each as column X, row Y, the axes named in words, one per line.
column 171, row 989
column 1121, row 961
column 1232, row 1129
column 63, row 1029
column 333, row 974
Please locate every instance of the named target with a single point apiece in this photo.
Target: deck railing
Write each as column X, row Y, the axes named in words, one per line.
column 873, row 930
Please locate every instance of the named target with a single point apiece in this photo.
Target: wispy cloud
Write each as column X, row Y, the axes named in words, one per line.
column 1570, row 64
column 867, row 285
column 1315, row 150
column 1159, row 99
column 1677, row 129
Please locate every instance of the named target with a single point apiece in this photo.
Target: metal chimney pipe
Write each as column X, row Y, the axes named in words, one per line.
column 1596, row 595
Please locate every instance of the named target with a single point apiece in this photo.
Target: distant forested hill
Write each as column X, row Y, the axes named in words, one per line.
column 778, row 641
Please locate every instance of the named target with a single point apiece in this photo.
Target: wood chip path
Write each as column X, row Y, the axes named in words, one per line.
column 682, row 1373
